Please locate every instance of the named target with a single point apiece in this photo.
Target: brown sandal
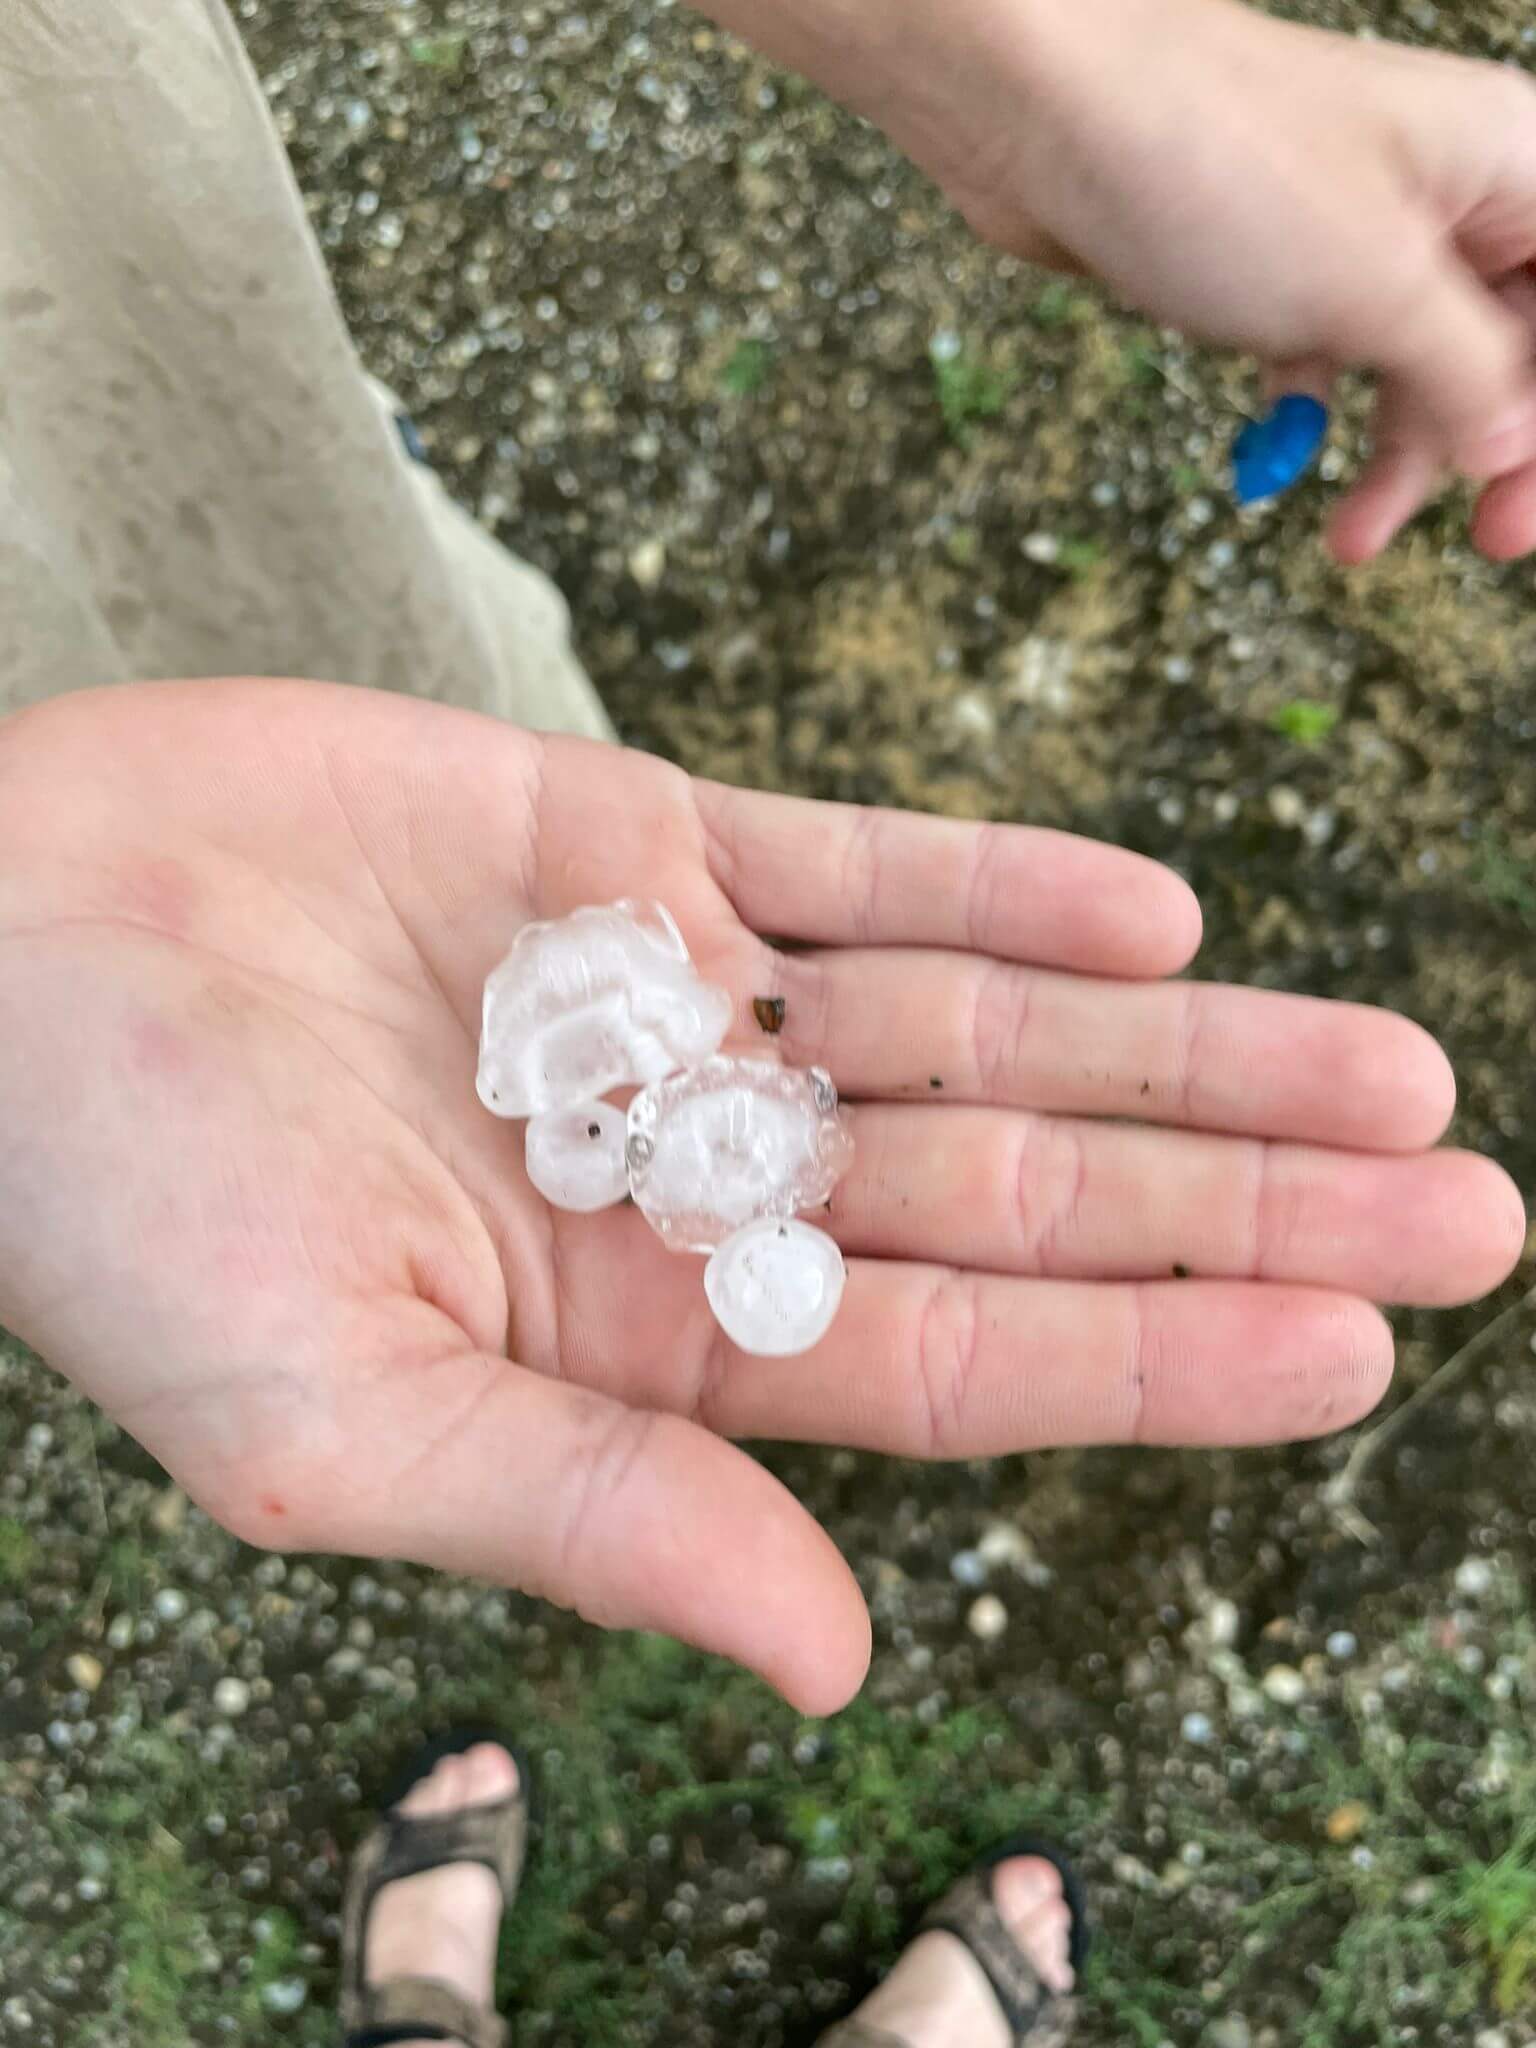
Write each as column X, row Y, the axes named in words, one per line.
column 496, row 1836
column 968, row 1912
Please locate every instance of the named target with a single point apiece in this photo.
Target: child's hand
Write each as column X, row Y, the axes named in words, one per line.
column 250, row 1202
column 1317, row 201
column 1323, row 203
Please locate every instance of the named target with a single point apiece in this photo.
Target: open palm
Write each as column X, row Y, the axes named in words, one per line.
column 250, row 1202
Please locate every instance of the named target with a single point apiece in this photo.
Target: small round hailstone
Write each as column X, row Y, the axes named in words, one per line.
column 775, row 1287
column 575, row 1156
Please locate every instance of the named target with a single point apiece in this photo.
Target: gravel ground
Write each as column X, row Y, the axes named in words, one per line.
column 668, row 323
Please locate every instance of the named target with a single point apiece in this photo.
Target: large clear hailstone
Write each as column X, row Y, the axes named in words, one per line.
column 605, row 998
column 775, row 1287
column 730, row 1142
column 575, row 1156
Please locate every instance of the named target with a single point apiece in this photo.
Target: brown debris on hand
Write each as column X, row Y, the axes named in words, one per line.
column 769, row 1012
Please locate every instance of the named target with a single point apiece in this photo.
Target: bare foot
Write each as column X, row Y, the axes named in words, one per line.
column 938, row 1997
column 444, row 1923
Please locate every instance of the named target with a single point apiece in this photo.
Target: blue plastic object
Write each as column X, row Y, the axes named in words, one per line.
column 1271, row 454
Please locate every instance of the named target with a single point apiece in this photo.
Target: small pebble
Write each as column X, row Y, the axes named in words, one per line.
column 1221, row 1623
column 1341, row 1646
column 231, row 1696
column 1474, row 1577
column 1043, row 547
column 1003, row 1544
column 1284, row 1685
column 1197, row 1728
column 120, row 1632
column 285, row 1995
column 1285, row 806
column 169, row 1512
column 968, row 1567
column 1347, row 1821
column 1231, row 2032
column 170, row 1604
column 84, row 1670
column 988, row 1618
column 648, row 564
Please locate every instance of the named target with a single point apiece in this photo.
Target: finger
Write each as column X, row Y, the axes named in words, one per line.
column 1395, row 486
column 1057, row 1198
column 1405, row 471
column 609, row 1510
column 928, row 1362
column 1309, row 377
column 1504, row 524
column 1185, row 1053
column 840, row 874
column 1461, row 357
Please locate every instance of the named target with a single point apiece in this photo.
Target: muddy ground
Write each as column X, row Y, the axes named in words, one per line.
column 666, row 321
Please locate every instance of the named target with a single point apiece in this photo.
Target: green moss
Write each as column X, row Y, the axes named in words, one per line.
column 18, row 1552
column 1305, row 721
column 748, row 370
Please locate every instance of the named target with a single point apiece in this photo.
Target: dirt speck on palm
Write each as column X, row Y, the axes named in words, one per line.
column 666, row 322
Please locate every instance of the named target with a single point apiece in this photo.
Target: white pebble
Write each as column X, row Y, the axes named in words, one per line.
column 648, row 563
column 1284, row 1685
column 1221, row 1623
column 285, row 1995
column 575, row 1157
column 1003, row 1544
column 1341, row 1646
column 775, row 1287
column 988, row 1617
column 1197, row 1728
column 1043, row 547
column 84, row 1670
column 968, row 1567
column 170, row 1604
column 231, row 1696
column 1474, row 1576
column 1285, row 806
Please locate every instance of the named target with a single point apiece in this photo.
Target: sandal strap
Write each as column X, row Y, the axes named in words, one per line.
column 967, row 1912
column 406, row 2008
column 495, row 1836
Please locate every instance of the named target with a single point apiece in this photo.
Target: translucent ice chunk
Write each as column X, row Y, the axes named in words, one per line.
column 775, row 1287
column 730, row 1142
column 602, row 999
column 576, row 1156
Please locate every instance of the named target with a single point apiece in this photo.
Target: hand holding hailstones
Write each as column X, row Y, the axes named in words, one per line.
column 720, row 1154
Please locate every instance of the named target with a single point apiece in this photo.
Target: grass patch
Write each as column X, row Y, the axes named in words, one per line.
column 440, row 52
column 1058, row 306
column 1305, row 721
column 18, row 1552
column 969, row 389
column 748, row 370
column 1506, row 878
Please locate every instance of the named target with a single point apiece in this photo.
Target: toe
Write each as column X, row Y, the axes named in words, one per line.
column 491, row 1774
column 1029, row 1896
column 437, row 1792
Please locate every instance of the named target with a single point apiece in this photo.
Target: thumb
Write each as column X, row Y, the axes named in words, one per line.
column 635, row 1519
column 1453, row 354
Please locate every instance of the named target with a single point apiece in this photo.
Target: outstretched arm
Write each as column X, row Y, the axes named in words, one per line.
column 1322, row 203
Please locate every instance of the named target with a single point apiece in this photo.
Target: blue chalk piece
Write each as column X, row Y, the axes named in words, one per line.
column 1270, row 454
